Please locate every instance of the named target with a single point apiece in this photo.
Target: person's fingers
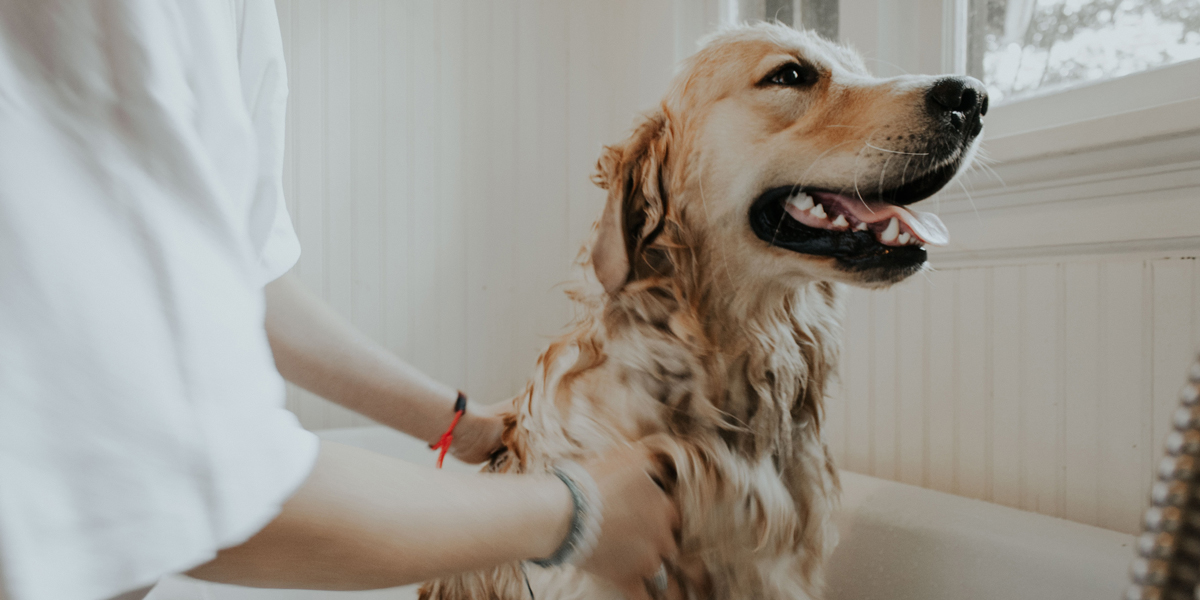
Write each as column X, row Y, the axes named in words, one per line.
column 667, row 540
column 674, row 586
column 651, row 564
column 668, row 549
column 636, row 590
column 672, row 514
column 675, row 522
column 640, row 522
column 651, row 567
column 657, row 471
column 478, row 436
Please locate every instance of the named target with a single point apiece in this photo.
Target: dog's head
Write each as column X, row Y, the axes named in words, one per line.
column 776, row 155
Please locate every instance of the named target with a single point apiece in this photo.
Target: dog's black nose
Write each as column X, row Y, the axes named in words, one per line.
column 960, row 100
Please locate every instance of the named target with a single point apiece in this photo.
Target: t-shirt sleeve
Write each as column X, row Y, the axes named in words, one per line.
column 265, row 90
column 142, row 420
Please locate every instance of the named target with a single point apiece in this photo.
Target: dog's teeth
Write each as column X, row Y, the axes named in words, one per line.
column 903, row 239
column 892, row 231
column 861, row 227
column 841, row 221
column 801, row 201
column 818, row 211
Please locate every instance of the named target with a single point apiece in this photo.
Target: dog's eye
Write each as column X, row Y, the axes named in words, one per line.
column 793, row 74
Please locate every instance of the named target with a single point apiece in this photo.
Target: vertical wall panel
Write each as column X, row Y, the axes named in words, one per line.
column 366, row 288
column 1038, row 391
column 422, row 205
column 856, row 376
column 1195, row 303
column 1124, row 419
column 1047, row 386
column 1174, row 330
column 437, row 172
column 884, row 414
column 544, row 251
column 910, row 366
column 306, row 154
column 972, row 393
column 454, row 168
column 438, row 163
column 398, row 131
column 486, row 221
column 341, row 202
column 1081, row 391
column 1008, row 436
column 939, row 417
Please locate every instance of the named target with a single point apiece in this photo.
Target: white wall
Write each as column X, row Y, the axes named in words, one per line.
column 438, row 164
column 437, row 173
column 1038, row 366
column 1045, row 385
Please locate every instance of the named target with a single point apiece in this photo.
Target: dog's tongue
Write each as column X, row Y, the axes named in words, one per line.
column 926, row 226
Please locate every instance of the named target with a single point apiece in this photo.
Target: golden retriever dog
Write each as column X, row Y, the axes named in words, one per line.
column 775, row 171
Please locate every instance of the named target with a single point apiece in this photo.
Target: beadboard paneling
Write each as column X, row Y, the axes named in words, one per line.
column 1045, row 386
column 438, row 163
column 437, row 172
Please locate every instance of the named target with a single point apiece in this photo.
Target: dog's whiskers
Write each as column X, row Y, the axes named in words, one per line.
column 981, row 162
column 970, row 199
column 925, row 273
column 817, row 160
column 870, row 145
column 902, row 70
column 882, row 173
column 856, row 158
column 778, row 225
column 904, row 173
column 800, row 184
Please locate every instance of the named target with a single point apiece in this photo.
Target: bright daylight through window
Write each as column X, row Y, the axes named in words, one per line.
column 1022, row 48
column 818, row 15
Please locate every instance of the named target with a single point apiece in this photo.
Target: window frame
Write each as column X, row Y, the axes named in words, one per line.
column 1133, row 96
column 1080, row 173
column 1105, row 98
column 930, row 36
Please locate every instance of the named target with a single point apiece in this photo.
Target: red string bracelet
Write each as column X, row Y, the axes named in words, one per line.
column 443, row 443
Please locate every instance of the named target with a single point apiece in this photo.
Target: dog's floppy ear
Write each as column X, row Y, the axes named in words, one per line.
column 636, row 210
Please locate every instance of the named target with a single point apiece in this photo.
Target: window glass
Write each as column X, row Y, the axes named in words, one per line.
column 818, row 15
column 1021, row 48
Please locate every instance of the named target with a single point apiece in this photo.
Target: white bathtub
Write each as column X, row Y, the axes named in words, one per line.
column 898, row 542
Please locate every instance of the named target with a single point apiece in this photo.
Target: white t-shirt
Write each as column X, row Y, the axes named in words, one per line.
column 142, row 424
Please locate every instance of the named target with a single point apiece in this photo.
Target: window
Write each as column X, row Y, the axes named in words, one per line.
column 819, row 15
column 1047, row 63
column 1023, row 48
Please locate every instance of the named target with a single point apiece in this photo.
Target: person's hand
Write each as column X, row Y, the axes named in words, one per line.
column 477, row 435
column 638, row 530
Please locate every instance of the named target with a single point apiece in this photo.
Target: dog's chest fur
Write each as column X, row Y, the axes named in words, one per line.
column 730, row 397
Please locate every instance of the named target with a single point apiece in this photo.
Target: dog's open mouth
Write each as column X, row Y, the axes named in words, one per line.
column 861, row 234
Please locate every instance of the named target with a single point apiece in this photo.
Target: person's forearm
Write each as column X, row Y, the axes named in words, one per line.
column 365, row 521
column 318, row 350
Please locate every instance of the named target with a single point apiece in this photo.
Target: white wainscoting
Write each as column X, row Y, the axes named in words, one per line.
column 1044, row 386
column 1039, row 364
column 438, row 164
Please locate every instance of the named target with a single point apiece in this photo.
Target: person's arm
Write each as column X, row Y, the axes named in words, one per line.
column 320, row 351
column 365, row 521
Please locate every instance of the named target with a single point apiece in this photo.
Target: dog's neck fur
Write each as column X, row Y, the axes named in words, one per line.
column 768, row 350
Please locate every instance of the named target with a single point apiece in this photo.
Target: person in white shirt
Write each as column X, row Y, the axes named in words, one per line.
column 142, row 428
